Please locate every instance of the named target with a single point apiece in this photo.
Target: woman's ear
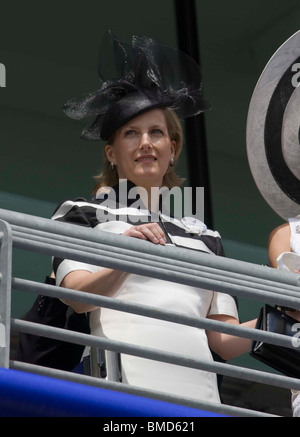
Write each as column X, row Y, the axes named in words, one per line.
column 173, row 148
column 109, row 153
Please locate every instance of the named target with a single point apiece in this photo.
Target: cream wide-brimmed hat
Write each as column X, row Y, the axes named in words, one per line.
column 273, row 143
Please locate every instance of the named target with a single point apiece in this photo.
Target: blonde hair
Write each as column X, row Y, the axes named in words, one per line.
column 109, row 177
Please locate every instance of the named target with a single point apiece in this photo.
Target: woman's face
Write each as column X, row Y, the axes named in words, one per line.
column 142, row 149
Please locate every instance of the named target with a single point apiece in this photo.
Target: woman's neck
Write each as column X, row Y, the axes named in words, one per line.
column 150, row 197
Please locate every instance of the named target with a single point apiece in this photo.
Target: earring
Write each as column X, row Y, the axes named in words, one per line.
column 112, row 165
column 172, row 162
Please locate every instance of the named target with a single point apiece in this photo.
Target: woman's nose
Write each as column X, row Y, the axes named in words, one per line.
column 145, row 142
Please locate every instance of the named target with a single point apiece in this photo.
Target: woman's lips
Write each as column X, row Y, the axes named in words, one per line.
column 145, row 158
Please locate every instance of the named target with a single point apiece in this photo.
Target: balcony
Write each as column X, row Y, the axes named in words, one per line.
column 29, row 390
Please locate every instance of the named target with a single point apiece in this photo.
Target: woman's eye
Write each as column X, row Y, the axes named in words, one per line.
column 130, row 132
column 157, row 132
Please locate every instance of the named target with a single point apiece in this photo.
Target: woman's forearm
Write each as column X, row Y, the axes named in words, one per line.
column 105, row 283
column 228, row 346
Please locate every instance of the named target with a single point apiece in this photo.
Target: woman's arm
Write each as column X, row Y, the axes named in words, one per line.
column 106, row 282
column 279, row 242
column 225, row 345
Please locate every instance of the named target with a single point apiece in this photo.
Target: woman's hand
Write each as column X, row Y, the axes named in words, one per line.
column 147, row 231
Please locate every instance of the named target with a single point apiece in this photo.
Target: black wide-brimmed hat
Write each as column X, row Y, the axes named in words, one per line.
column 273, row 140
column 135, row 78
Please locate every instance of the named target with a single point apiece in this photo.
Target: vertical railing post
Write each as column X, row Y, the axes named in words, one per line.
column 5, row 291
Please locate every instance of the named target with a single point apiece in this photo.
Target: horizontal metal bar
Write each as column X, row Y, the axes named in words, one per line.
column 151, row 312
column 226, row 264
column 160, row 273
column 145, row 256
column 155, row 262
column 138, row 391
column 153, row 354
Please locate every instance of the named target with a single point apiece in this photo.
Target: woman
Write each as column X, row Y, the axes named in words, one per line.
column 284, row 254
column 143, row 142
column 284, row 246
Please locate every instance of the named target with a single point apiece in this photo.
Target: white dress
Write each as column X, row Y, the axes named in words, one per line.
column 166, row 336
column 153, row 333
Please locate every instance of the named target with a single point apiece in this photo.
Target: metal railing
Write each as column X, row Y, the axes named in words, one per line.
column 237, row 278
